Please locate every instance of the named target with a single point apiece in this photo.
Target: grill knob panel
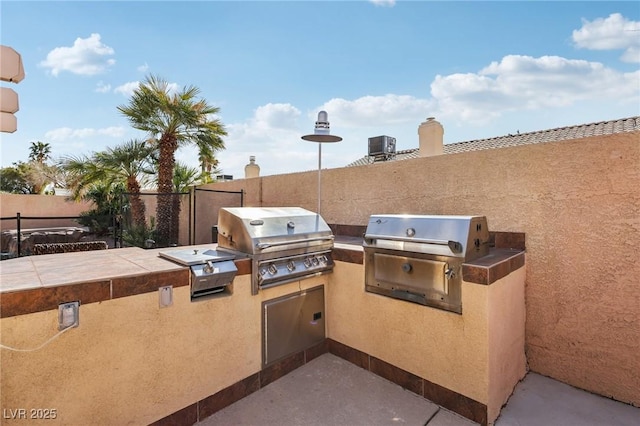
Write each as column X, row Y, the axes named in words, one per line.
column 272, row 269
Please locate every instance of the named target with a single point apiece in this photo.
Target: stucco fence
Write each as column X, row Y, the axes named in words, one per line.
column 578, row 202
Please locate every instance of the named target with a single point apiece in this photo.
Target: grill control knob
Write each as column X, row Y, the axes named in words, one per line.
column 307, row 262
column 272, row 269
column 450, row 273
column 323, row 259
column 291, row 266
column 406, row 267
column 315, row 261
column 411, row 232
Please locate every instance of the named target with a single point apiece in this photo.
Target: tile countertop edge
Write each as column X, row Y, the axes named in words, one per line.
column 38, row 298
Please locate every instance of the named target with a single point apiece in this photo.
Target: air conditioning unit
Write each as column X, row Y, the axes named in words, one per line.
column 382, row 147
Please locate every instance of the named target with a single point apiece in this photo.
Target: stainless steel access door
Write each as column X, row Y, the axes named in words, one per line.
column 292, row 323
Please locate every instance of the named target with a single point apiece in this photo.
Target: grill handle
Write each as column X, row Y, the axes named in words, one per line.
column 262, row 246
column 455, row 246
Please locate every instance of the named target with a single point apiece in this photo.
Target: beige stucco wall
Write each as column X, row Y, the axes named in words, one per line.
column 33, row 205
column 577, row 201
column 131, row 362
column 506, row 324
column 443, row 347
column 479, row 354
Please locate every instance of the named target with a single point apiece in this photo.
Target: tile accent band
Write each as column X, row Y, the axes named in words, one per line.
column 442, row 396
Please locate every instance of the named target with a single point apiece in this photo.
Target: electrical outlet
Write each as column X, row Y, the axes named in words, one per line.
column 165, row 295
column 68, row 315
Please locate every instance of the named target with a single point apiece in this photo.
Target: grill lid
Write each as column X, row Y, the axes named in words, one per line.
column 454, row 236
column 256, row 230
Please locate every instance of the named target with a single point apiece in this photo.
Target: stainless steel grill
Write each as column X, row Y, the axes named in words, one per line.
column 419, row 258
column 211, row 271
column 285, row 243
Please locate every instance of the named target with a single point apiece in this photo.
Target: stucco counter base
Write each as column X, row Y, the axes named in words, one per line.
column 468, row 363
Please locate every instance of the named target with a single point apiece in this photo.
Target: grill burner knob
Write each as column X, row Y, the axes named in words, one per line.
column 315, row 261
column 291, row 224
column 307, row 262
column 323, row 259
column 406, row 267
column 291, row 266
column 272, row 269
column 411, row 232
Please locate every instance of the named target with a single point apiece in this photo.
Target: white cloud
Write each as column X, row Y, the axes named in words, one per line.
column 518, row 83
column 276, row 116
column 102, row 87
column 127, row 89
column 611, row 33
column 387, row 109
column 383, row 3
column 143, row 68
column 273, row 135
column 88, row 56
column 67, row 133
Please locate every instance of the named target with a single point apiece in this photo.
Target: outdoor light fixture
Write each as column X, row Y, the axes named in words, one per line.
column 321, row 135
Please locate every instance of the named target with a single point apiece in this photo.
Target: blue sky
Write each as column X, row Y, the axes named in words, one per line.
column 483, row 69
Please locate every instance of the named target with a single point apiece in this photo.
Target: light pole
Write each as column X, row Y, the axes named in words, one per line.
column 321, row 135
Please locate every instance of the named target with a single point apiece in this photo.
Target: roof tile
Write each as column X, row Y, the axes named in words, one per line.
column 622, row 125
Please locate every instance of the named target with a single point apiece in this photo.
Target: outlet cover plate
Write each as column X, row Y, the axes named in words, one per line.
column 68, row 315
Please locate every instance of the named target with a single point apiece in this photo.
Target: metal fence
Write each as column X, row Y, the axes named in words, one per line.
column 206, row 204
column 190, row 219
column 27, row 231
column 152, row 220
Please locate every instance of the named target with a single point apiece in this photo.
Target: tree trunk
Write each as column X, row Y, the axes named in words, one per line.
column 166, row 162
column 138, row 210
column 175, row 218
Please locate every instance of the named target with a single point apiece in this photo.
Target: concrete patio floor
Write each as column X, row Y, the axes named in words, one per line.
column 331, row 391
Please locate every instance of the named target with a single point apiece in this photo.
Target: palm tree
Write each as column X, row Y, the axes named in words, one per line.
column 128, row 163
column 206, row 156
column 39, row 152
column 171, row 120
column 82, row 173
column 184, row 177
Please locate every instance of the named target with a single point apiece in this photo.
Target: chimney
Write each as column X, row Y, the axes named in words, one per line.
column 251, row 170
column 431, row 137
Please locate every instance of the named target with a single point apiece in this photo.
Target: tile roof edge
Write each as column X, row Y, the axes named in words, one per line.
column 554, row 129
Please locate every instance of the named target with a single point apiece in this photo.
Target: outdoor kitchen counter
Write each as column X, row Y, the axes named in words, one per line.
column 37, row 283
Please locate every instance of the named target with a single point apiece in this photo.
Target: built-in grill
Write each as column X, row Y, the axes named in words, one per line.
column 419, row 258
column 285, row 243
